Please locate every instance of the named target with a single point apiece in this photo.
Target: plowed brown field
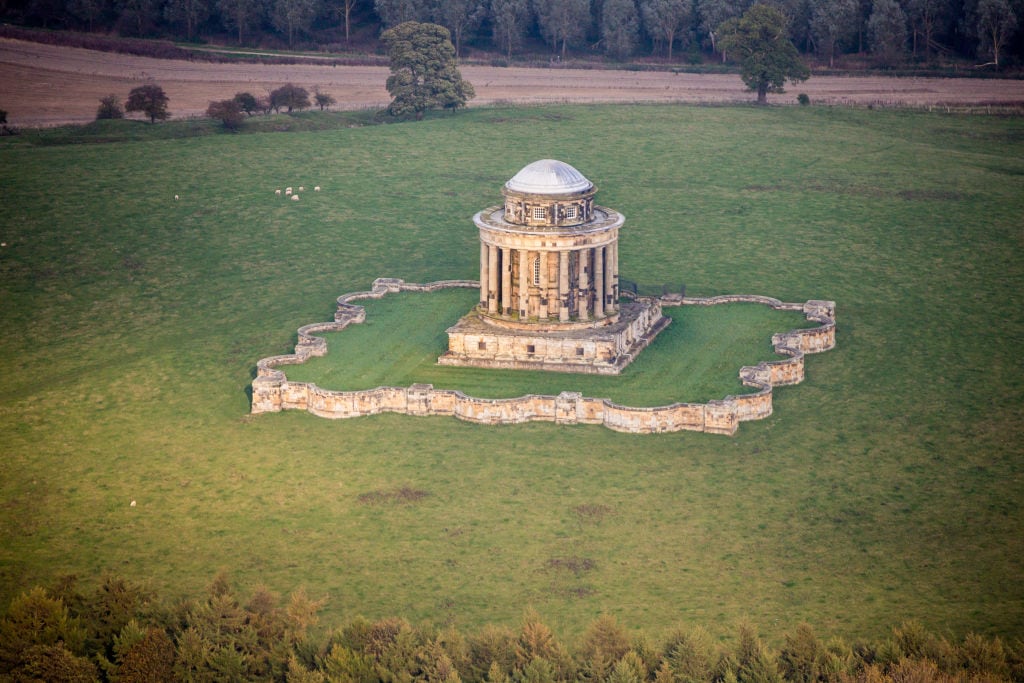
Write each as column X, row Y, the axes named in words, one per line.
column 47, row 85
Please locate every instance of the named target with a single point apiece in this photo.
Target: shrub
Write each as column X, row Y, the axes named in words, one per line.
column 150, row 100
column 110, row 108
column 247, row 102
column 228, row 112
column 289, row 96
column 803, row 99
column 323, row 100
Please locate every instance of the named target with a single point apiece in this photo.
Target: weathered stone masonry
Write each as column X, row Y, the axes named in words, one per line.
column 272, row 392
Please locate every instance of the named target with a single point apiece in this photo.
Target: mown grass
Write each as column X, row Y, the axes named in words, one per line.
column 886, row 486
column 695, row 360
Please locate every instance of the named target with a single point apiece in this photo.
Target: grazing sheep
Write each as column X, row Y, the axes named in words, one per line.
column 295, row 197
column 316, row 189
column 277, row 192
column 175, row 197
column 132, row 504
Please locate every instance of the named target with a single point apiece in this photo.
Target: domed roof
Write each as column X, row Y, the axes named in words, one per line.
column 548, row 176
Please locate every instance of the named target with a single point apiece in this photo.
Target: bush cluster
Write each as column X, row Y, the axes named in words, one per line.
column 123, row 632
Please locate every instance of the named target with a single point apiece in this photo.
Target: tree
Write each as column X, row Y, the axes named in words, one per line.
column 563, row 22
column 423, row 70
column 289, row 96
column 88, row 10
column 620, row 28
column 247, row 102
column 150, row 100
column 666, row 19
column 395, row 12
column 110, row 108
column 887, row 31
column 228, row 112
column 461, row 18
column 240, row 15
column 137, row 16
column 290, row 16
column 766, row 56
column 831, row 22
column 995, row 24
column 510, row 18
column 189, row 12
column 323, row 100
column 714, row 13
column 926, row 18
column 344, row 10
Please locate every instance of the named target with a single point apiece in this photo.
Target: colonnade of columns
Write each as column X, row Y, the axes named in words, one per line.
column 523, row 284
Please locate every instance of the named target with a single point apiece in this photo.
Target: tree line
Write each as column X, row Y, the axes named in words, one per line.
column 889, row 32
column 121, row 631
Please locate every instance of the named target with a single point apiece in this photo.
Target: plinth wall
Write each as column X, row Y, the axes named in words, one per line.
column 272, row 392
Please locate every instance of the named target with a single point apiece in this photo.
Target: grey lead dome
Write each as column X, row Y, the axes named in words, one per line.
column 548, row 176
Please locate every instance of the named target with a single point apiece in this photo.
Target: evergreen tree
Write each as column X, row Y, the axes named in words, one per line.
column 423, row 71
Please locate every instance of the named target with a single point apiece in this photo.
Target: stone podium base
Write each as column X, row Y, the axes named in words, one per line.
column 604, row 350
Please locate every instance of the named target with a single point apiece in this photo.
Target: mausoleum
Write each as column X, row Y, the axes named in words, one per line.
column 549, row 282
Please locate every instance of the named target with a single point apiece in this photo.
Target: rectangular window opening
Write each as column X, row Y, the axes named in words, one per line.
column 530, row 348
column 539, row 213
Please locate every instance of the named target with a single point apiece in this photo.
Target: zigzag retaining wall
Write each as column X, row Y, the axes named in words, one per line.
column 272, row 392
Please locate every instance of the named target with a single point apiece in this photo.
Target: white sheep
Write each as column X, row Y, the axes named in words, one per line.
column 316, row 189
column 175, row 197
column 277, row 192
column 132, row 504
column 295, row 197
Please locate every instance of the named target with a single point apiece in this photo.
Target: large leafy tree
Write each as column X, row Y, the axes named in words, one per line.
column 666, row 19
column 620, row 28
column 151, row 100
column 509, row 20
column 563, row 22
column 758, row 40
column 831, row 22
column 423, row 71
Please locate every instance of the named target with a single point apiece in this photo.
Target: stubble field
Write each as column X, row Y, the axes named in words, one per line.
column 47, row 85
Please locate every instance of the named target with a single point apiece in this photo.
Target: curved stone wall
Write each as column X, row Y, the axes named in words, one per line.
column 272, row 392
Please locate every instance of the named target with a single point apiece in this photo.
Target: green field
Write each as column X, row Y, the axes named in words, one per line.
column 888, row 486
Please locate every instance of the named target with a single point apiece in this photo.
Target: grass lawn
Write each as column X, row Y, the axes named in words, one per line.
column 696, row 359
column 889, row 485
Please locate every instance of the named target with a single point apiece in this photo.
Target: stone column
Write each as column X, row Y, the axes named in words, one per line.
column 563, row 286
column 599, row 282
column 614, row 283
column 542, row 307
column 492, row 280
column 583, row 295
column 524, row 283
column 506, row 280
column 483, row 275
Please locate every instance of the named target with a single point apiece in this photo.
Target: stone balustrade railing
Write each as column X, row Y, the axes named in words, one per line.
column 272, row 392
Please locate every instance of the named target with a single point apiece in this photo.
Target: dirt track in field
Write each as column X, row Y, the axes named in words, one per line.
column 47, row 85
